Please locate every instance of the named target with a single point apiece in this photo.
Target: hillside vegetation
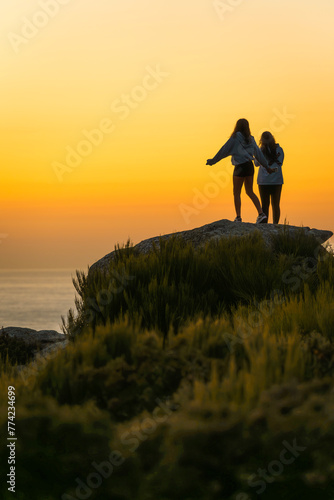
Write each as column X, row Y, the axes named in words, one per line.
column 191, row 374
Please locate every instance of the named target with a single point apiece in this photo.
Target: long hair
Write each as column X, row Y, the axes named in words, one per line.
column 242, row 126
column 268, row 147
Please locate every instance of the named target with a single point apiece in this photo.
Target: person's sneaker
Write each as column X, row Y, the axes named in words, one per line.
column 238, row 219
column 262, row 218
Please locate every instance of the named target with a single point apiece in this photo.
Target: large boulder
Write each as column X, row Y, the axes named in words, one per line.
column 42, row 337
column 216, row 230
column 35, row 343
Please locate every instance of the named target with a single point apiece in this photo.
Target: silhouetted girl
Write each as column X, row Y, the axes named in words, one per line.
column 270, row 186
column 243, row 148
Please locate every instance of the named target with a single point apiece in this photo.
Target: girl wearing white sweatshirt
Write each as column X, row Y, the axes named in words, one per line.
column 243, row 148
column 270, row 186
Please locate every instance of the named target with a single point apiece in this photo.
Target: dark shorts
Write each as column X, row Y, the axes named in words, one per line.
column 244, row 169
column 270, row 189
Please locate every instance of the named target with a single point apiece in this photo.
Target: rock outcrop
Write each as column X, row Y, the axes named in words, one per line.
column 216, row 230
column 41, row 343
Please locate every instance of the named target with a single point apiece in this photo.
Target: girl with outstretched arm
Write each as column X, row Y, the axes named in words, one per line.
column 243, row 148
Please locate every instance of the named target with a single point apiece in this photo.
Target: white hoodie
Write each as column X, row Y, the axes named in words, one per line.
column 241, row 151
column 264, row 178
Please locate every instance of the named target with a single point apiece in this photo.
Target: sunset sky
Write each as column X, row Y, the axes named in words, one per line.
column 165, row 81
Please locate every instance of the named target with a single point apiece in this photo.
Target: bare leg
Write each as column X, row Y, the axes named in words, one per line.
column 249, row 191
column 237, row 186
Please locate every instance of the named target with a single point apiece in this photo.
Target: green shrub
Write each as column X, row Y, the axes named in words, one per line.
column 238, row 337
column 297, row 243
column 15, row 350
column 121, row 368
column 176, row 282
column 213, row 451
column 55, row 445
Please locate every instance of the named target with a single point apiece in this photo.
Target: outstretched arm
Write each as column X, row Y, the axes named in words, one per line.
column 225, row 151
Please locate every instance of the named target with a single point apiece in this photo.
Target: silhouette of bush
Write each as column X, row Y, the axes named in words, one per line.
column 244, row 356
column 55, row 445
column 176, row 282
column 16, row 350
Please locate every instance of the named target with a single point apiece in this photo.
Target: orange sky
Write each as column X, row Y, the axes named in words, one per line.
column 165, row 82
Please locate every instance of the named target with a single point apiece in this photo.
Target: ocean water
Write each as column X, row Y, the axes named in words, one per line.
column 35, row 298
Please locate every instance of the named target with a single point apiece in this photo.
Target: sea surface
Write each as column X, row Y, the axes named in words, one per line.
column 35, row 298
